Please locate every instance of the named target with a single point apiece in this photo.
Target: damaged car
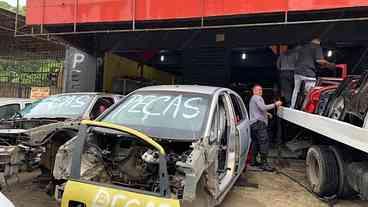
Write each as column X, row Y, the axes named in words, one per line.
column 349, row 103
column 42, row 127
column 11, row 106
column 160, row 146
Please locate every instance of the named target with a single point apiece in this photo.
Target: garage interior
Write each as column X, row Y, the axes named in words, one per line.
column 235, row 51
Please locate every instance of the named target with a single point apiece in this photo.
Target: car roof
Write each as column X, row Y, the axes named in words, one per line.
column 209, row 90
column 14, row 100
column 89, row 93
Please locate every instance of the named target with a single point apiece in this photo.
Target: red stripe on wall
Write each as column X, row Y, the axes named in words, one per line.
column 88, row 11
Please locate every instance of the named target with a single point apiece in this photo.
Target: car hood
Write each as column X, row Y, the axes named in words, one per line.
column 34, row 131
column 12, row 131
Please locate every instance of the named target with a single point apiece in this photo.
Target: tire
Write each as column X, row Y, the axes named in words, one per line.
column 344, row 189
column 338, row 108
column 322, row 171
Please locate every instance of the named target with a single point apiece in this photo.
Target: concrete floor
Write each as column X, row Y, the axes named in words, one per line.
column 274, row 190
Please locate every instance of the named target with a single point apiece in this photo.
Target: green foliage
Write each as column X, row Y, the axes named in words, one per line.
column 5, row 5
column 29, row 72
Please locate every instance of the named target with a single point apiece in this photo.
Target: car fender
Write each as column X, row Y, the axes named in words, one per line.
column 39, row 135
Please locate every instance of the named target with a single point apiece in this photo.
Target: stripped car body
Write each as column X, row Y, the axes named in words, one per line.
column 317, row 98
column 161, row 146
column 41, row 128
column 349, row 103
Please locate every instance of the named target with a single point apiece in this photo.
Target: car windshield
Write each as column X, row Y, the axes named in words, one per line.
column 171, row 115
column 60, row 106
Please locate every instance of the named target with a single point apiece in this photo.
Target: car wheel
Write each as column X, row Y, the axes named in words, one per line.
column 344, row 189
column 338, row 108
column 322, row 171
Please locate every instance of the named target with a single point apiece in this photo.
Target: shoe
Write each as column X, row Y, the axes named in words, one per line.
column 267, row 167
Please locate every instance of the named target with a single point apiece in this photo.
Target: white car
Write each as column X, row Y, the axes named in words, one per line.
column 4, row 202
column 10, row 106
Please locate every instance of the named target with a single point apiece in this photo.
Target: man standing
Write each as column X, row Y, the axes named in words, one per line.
column 259, row 121
column 305, row 67
column 286, row 66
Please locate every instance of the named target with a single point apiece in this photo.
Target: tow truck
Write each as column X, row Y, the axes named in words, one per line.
column 337, row 161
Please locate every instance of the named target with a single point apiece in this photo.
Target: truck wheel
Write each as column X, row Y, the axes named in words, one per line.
column 344, row 189
column 322, row 171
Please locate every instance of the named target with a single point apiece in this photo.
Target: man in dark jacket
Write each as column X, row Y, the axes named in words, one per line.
column 259, row 121
column 305, row 68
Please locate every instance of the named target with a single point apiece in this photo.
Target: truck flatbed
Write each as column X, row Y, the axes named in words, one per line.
column 348, row 134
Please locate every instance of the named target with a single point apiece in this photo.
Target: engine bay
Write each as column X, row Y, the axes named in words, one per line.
column 122, row 160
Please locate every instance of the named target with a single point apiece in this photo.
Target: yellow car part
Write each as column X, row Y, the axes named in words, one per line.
column 128, row 130
column 91, row 195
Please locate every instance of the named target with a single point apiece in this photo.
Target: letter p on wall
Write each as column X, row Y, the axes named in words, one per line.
column 78, row 58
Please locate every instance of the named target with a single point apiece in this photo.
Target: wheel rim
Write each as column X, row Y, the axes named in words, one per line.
column 314, row 171
column 338, row 109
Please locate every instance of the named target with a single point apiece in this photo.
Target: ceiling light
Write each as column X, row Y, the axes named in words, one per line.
column 329, row 53
column 162, row 58
column 244, row 56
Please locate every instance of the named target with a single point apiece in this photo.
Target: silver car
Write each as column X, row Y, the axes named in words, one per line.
column 10, row 106
column 168, row 145
column 49, row 123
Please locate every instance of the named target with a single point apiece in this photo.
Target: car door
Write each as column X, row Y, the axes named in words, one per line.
column 242, row 134
column 9, row 110
column 362, row 97
column 85, row 193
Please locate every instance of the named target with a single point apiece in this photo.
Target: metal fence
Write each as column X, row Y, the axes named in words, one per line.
column 19, row 75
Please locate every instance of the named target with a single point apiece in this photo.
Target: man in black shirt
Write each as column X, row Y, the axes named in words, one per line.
column 305, row 67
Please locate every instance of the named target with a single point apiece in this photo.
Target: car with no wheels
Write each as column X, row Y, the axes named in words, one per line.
column 350, row 103
column 317, row 98
column 38, row 130
column 161, row 146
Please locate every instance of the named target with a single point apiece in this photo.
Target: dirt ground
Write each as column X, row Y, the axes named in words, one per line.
column 274, row 190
